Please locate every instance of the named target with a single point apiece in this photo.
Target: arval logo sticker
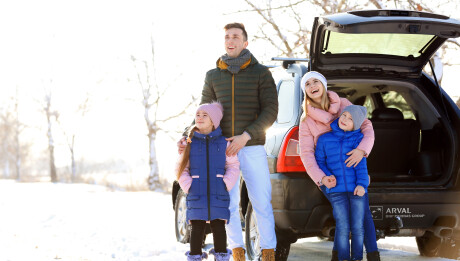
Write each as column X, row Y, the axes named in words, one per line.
column 377, row 212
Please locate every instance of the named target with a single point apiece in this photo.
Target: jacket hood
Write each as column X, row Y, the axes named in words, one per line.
column 213, row 134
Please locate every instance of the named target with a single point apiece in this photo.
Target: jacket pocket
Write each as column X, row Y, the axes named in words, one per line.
column 220, row 184
column 222, row 201
column 193, row 201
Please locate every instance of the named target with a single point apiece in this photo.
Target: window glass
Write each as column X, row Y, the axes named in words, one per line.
column 285, row 101
column 369, row 104
column 382, row 43
column 395, row 100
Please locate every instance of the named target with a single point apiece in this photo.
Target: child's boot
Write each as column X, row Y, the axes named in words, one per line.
column 196, row 257
column 335, row 255
column 221, row 256
column 238, row 254
column 373, row 256
column 268, row 254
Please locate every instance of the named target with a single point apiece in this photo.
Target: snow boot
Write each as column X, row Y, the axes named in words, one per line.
column 238, row 254
column 219, row 256
column 373, row 256
column 335, row 255
column 268, row 255
column 196, row 257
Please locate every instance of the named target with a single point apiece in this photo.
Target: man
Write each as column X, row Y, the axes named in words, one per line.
column 247, row 91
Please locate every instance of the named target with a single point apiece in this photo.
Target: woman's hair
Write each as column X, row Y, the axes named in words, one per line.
column 325, row 103
column 185, row 153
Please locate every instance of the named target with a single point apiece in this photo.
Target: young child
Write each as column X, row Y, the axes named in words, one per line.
column 207, row 174
column 349, row 196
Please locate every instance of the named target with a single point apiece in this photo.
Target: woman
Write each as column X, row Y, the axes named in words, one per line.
column 321, row 108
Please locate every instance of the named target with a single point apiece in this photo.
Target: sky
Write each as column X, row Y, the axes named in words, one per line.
column 81, row 49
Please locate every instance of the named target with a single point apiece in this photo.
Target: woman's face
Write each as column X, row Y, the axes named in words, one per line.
column 314, row 89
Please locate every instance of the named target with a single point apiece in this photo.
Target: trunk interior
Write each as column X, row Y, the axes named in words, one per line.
column 413, row 144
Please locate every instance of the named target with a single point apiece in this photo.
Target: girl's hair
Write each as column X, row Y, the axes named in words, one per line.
column 325, row 103
column 185, row 153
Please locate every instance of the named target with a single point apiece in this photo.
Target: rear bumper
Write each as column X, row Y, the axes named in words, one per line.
column 299, row 206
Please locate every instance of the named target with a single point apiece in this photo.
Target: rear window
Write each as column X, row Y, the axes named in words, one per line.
column 285, row 107
column 382, row 43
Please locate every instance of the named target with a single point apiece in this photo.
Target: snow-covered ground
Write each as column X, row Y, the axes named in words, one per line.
column 44, row 221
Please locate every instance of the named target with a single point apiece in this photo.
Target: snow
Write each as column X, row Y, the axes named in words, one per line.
column 45, row 221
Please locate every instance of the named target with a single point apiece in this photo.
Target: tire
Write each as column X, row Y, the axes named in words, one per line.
column 251, row 234
column 282, row 250
column 181, row 226
column 432, row 246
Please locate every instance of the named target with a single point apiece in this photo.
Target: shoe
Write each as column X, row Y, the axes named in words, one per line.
column 221, row 256
column 373, row 256
column 196, row 257
column 238, row 254
column 335, row 255
column 268, row 254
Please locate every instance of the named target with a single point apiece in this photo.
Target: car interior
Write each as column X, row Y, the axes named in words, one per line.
column 411, row 144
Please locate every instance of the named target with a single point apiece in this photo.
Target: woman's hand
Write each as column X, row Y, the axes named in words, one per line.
column 359, row 190
column 355, row 158
column 329, row 181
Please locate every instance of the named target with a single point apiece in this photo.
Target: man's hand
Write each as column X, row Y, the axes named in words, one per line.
column 329, row 181
column 181, row 144
column 355, row 158
column 237, row 143
column 359, row 190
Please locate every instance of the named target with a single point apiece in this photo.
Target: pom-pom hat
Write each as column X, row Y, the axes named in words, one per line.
column 313, row 74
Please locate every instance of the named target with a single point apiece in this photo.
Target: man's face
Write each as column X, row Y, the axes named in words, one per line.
column 234, row 42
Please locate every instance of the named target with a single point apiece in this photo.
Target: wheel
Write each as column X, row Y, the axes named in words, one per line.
column 180, row 209
column 251, row 234
column 432, row 246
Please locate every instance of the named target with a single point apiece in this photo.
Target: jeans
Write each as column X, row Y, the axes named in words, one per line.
column 254, row 168
column 370, row 238
column 348, row 210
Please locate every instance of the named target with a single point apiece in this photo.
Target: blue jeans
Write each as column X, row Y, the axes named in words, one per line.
column 370, row 239
column 348, row 210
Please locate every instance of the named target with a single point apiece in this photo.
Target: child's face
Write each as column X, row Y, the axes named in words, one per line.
column 203, row 122
column 346, row 122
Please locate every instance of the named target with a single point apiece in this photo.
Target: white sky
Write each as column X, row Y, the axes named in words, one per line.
column 80, row 47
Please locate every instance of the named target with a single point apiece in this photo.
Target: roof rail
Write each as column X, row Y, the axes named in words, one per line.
column 288, row 60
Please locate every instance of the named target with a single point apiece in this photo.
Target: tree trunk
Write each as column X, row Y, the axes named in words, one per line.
column 51, row 151
column 154, row 175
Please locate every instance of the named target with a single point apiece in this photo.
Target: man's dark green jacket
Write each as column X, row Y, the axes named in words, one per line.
column 249, row 99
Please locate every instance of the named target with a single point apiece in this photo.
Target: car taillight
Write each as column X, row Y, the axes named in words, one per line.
column 289, row 155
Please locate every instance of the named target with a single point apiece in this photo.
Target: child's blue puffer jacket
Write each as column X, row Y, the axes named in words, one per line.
column 208, row 198
column 330, row 154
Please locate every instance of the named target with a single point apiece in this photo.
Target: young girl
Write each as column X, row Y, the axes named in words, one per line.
column 321, row 108
column 348, row 196
column 207, row 174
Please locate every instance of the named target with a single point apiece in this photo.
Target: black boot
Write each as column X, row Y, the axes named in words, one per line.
column 335, row 255
column 373, row 256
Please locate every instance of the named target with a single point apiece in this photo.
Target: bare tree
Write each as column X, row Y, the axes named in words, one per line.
column 51, row 116
column 152, row 94
column 71, row 132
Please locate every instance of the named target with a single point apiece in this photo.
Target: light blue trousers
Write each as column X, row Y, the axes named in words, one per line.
column 254, row 167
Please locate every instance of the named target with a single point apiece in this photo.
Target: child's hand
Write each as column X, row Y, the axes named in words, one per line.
column 359, row 190
column 329, row 181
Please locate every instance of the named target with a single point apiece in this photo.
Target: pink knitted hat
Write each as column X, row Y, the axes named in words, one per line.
column 214, row 110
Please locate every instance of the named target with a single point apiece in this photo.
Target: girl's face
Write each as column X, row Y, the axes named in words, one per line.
column 314, row 89
column 346, row 121
column 203, row 122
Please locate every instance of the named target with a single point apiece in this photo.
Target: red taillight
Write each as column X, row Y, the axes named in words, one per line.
column 289, row 155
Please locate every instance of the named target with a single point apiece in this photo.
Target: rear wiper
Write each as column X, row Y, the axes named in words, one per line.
column 440, row 92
